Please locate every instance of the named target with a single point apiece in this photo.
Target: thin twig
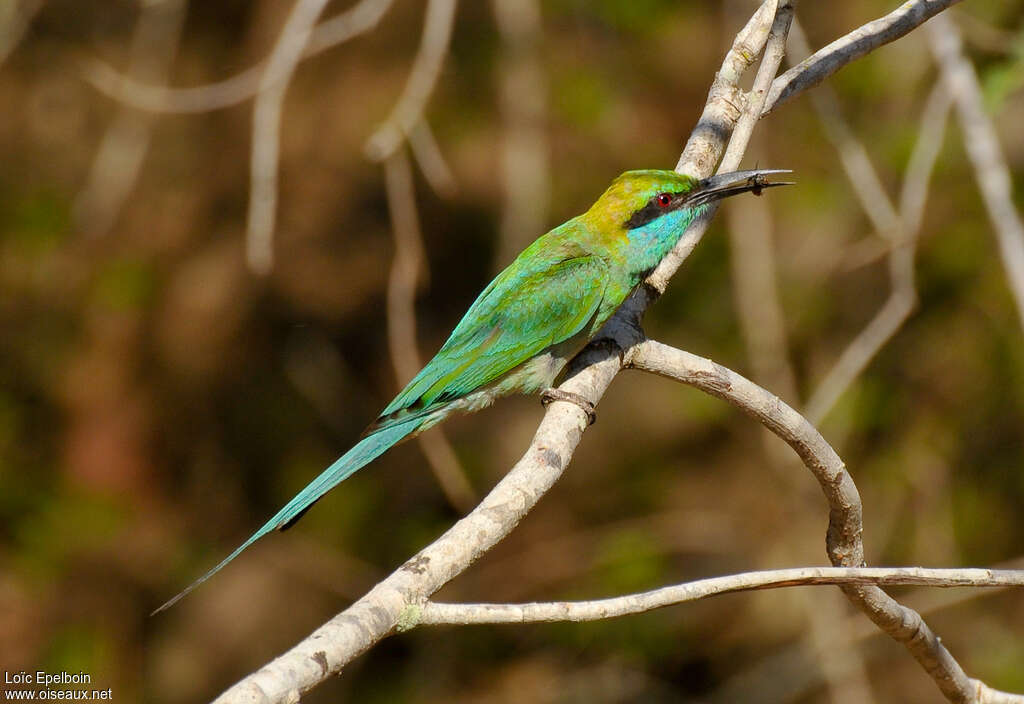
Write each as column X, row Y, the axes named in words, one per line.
column 866, row 38
column 408, row 111
column 435, row 613
column 266, row 132
column 903, row 294
column 119, row 157
column 358, row 19
column 990, row 168
column 402, row 341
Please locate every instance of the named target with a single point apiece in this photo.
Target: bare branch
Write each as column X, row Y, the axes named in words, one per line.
column 990, row 168
column 408, row 111
column 435, row 613
column 358, row 19
column 266, row 128
column 402, row 341
column 763, row 328
column 125, row 144
column 826, row 61
column 844, row 537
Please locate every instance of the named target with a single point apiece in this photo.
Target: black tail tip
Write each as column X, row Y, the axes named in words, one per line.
column 169, row 603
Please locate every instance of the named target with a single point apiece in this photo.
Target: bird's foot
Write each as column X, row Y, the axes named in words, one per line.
column 549, row 395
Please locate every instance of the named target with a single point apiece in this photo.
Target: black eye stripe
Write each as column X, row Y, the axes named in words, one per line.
column 652, row 211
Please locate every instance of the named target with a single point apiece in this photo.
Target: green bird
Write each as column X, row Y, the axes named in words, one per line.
column 534, row 316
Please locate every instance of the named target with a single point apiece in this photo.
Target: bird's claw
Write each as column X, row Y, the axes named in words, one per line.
column 549, row 395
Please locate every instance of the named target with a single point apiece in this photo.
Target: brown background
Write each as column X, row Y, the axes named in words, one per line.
column 158, row 401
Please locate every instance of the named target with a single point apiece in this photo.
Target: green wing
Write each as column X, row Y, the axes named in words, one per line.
column 540, row 300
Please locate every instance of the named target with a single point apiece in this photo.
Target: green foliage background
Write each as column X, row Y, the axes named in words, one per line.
column 156, row 404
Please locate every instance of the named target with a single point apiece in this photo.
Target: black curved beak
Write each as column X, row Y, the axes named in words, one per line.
column 733, row 183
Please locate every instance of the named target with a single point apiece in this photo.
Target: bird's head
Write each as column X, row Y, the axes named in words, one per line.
column 636, row 199
column 643, row 214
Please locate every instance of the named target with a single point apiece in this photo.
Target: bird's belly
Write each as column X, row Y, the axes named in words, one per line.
column 529, row 377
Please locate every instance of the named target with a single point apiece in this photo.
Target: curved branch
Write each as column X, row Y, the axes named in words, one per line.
column 844, row 537
column 435, row 613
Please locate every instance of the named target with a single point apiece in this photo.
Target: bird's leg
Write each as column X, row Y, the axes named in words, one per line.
column 552, row 394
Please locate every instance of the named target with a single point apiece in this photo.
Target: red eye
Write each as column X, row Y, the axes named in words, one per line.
column 664, row 199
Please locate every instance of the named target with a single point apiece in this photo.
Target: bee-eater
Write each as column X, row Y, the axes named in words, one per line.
column 534, row 316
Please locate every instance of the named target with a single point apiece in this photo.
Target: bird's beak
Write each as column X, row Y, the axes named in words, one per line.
column 724, row 185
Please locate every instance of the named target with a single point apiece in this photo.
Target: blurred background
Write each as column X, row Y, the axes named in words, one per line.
column 162, row 393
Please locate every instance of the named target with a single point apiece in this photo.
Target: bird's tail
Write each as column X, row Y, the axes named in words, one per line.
column 365, row 451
